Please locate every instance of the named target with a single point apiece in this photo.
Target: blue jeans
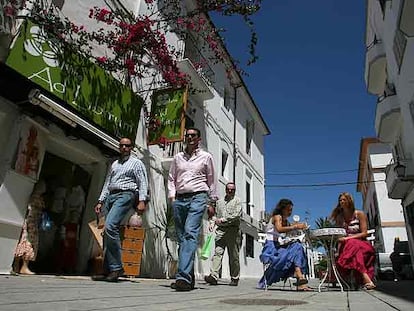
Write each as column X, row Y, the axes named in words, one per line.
column 188, row 215
column 116, row 208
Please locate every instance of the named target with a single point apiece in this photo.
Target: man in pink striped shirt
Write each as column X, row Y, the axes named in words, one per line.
column 192, row 186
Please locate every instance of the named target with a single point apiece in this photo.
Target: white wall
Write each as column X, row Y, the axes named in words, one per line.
column 216, row 125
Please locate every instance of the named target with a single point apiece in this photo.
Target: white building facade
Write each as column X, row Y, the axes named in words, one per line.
column 389, row 74
column 385, row 215
column 232, row 128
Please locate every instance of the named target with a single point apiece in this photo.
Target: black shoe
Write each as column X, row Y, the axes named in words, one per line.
column 210, row 279
column 182, row 286
column 174, row 286
column 114, row 275
column 234, row 282
column 99, row 277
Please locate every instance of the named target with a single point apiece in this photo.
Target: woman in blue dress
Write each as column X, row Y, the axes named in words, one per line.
column 283, row 259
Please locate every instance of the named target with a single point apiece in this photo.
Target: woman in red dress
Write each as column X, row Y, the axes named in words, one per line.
column 355, row 252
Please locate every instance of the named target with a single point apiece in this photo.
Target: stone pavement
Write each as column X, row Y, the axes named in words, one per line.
column 80, row 293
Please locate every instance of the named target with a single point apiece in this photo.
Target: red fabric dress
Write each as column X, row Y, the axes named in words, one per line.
column 356, row 254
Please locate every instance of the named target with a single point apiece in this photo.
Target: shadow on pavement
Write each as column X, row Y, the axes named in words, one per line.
column 401, row 289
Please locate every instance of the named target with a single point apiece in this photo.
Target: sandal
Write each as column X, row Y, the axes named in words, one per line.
column 300, row 282
column 304, row 289
column 369, row 286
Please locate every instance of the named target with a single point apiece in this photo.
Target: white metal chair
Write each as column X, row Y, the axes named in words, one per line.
column 262, row 240
column 371, row 236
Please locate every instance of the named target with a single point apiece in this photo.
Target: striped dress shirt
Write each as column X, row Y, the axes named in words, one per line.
column 129, row 174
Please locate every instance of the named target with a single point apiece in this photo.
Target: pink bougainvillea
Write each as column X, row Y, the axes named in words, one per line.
column 137, row 44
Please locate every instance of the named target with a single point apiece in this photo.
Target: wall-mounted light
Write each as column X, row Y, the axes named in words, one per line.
column 34, row 98
column 39, row 99
column 400, row 169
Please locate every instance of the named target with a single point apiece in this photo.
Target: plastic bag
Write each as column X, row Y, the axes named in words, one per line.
column 135, row 220
column 45, row 222
column 207, row 246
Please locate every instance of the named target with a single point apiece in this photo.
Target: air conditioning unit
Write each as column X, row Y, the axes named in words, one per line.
column 400, row 178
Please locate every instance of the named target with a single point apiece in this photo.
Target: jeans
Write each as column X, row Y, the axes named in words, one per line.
column 116, row 208
column 188, row 215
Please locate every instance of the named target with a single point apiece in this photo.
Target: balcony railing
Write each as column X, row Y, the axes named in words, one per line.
column 406, row 22
column 169, row 152
column 375, row 64
column 7, row 27
column 6, row 23
column 172, row 149
column 201, row 63
column 400, row 42
column 387, row 117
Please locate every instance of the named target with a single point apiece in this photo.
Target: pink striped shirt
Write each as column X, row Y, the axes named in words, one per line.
column 192, row 173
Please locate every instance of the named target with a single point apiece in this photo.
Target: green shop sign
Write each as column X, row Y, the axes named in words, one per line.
column 95, row 94
column 167, row 119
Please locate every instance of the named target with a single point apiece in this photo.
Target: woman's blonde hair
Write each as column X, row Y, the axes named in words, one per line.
column 338, row 214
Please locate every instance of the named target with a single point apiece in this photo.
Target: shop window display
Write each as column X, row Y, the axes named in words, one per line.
column 67, row 185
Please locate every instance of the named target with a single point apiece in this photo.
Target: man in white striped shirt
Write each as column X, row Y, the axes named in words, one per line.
column 125, row 187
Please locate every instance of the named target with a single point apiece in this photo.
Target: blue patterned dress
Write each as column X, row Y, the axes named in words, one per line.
column 280, row 259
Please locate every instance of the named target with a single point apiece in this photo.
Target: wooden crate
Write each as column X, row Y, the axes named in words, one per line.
column 132, row 269
column 132, row 241
column 132, row 244
column 132, row 232
column 129, row 256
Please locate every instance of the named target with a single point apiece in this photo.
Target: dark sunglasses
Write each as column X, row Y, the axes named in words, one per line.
column 125, row 145
column 230, row 189
column 191, row 135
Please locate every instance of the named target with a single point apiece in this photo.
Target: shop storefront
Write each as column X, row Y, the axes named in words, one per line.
column 59, row 124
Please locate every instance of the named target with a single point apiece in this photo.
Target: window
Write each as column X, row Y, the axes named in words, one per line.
column 249, row 135
column 411, row 105
column 249, row 246
column 248, row 198
column 382, row 4
column 399, row 149
column 188, row 122
column 224, row 166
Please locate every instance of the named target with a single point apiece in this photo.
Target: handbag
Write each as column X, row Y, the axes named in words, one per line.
column 45, row 222
column 207, row 246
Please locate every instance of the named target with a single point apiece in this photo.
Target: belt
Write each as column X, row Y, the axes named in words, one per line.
column 119, row 191
column 188, row 194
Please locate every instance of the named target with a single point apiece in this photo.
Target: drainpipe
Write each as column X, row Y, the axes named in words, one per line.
column 235, row 87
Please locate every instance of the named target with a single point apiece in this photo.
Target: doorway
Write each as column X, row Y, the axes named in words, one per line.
column 66, row 187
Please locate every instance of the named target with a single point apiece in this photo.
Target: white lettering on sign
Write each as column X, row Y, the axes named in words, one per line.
column 44, row 76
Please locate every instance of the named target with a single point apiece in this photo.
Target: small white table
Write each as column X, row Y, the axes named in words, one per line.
column 331, row 236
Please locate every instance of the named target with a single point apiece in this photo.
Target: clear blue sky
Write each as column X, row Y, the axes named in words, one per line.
column 309, row 86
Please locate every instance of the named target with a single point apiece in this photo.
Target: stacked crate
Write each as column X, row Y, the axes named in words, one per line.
column 132, row 239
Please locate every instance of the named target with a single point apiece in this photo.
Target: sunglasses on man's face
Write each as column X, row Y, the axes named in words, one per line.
column 191, row 135
column 125, row 145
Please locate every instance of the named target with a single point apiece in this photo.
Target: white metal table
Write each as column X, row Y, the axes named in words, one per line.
column 331, row 236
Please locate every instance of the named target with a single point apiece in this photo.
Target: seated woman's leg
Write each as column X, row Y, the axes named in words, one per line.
column 275, row 257
column 359, row 256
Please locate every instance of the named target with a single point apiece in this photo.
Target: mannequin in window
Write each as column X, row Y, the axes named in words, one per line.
column 28, row 245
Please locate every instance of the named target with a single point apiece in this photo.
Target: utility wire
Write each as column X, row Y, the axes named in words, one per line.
column 322, row 184
column 312, row 173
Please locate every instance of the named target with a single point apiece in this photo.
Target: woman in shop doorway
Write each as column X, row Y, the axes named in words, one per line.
column 356, row 254
column 27, row 247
